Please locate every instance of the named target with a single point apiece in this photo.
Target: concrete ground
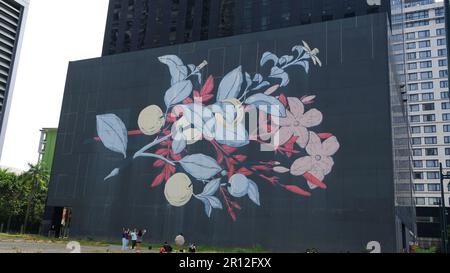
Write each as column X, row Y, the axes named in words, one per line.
column 16, row 245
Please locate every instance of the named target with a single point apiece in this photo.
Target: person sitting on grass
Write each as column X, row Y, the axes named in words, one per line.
column 167, row 248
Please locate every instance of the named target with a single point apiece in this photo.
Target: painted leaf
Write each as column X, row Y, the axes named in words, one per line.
column 248, row 80
column 115, row 172
column 261, row 85
column 280, row 169
column 211, row 188
column 177, row 69
column 253, row 192
column 158, row 179
column 113, row 133
column 200, row 166
column 208, row 207
column 272, row 89
column 300, row 50
column 208, row 87
column 258, row 78
column 269, row 56
column 179, row 143
column 215, row 202
column 297, row 190
column 177, row 93
column 234, row 136
column 267, row 104
column 279, row 73
column 285, row 59
column 231, row 84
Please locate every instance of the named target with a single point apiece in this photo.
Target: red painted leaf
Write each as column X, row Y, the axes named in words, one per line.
column 158, row 180
column 208, row 87
column 232, row 214
column 314, row 180
column 240, row 157
column 171, row 169
column 282, row 98
column 325, row 135
column 245, row 171
column 261, row 168
column 159, row 163
column 134, row 133
column 297, row 190
column 162, row 152
column 235, row 205
column 166, row 143
column 187, row 101
column 229, row 149
column 176, row 157
column 207, row 97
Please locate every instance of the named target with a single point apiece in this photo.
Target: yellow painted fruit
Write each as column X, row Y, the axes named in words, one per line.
column 151, row 120
column 178, row 190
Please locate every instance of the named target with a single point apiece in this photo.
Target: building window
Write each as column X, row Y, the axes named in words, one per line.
column 429, row 129
column 434, row 201
column 419, row 187
column 434, row 187
column 446, row 128
column 445, row 117
column 428, row 96
column 443, row 73
column 428, row 118
column 414, row 108
column 411, row 56
column 446, row 139
column 447, row 163
column 417, row 163
column 431, row 140
column 413, row 87
column 418, row 175
column 432, row 163
column 414, row 97
column 425, row 54
column 431, row 151
column 423, row 44
column 441, row 42
column 415, row 118
column 410, row 36
column 444, row 95
column 442, row 62
column 444, row 84
column 428, row 107
column 426, row 64
column 411, row 45
column 416, row 130
column 412, row 77
column 447, row 151
column 445, row 105
column 426, row 75
column 440, row 32
column 412, row 66
column 433, row 175
column 423, row 34
column 442, row 52
column 420, row 201
column 417, row 152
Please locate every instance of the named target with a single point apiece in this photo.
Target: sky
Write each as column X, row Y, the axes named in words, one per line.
column 56, row 32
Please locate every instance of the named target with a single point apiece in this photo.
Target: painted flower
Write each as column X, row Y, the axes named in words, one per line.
column 313, row 53
column 319, row 162
column 297, row 122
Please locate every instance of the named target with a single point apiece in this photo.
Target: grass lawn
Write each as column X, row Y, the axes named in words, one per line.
column 91, row 242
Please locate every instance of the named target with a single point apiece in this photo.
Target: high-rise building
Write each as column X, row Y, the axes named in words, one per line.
column 426, row 74
column 12, row 23
column 341, row 179
column 142, row 24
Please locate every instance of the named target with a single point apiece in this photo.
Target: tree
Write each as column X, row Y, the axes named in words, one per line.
column 36, row 178
column 12, row 193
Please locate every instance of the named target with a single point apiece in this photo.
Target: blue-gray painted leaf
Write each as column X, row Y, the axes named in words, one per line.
column 231, row 84
column 200, row 166
column 236, row 136
column 269, row 56
column 211, row 188
column 261, row 85
column 179, row 143
column 285, row 59
column 258, row 78
column 267, row 104
column 113, row 133
column 177, row 93
column 300, row 50
column 248, row 79
column 114, row 172
column 253, row 192
column 215, row 202
column 208, row 207
column 279, row 73
column 177, row 69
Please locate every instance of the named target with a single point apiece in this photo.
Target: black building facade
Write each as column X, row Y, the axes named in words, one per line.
column 143, row 24
column 340, row 181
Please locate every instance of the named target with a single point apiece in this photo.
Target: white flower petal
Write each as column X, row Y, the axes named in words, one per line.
column 330, row 146
column 303, row 136
column 311, row 118
column 314, row 146
column 296, row 106
column 284, row 134
column 301, row 165
column 325, row 165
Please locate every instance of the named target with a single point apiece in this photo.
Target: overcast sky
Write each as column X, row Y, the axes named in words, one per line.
column 57, row 31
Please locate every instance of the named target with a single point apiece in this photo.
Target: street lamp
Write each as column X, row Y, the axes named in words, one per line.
column 443, row 212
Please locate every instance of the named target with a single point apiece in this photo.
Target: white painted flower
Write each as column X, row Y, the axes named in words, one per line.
column 319, row 163
column 297, row 122
column 313, row 53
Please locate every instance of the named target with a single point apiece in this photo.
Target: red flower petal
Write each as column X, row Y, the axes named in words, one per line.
column 162, row 152
column 297, row 190
column 159, row 163
column 282, row 98
column 229, row 149
column 240, row 157
column 244, row 171
column 314, row 180
column 158, row 180
column 325, row 135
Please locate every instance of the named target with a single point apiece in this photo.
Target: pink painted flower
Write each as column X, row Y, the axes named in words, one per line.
column 319, row 162
column 297, row 122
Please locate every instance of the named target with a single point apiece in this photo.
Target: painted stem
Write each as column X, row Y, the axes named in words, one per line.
column 158, row 157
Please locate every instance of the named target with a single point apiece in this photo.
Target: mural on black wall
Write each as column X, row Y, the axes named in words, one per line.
column 216, row 116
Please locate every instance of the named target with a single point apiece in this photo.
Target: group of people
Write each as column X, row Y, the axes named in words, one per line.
column 134, row 236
